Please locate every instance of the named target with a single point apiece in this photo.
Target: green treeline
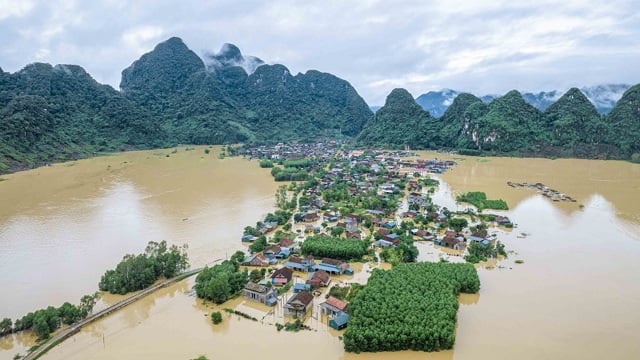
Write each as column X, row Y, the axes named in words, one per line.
column 221, row 282
column 45, row 321
column 480, row 201
column 480, row 252
column 169, row 97
column 289, row 174
column 332, row 247
column 136, row 272
column 571, row 127
column 411, row 306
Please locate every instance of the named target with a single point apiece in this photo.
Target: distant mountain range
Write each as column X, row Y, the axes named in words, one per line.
column 171, row 96
column 603, row 97
column 569, row 127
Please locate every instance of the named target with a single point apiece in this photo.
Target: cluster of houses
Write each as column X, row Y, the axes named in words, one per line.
column 363, row 173
column 318, row 275
column 293, row 151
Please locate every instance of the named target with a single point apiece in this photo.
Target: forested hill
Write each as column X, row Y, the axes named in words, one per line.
column 222, row 103
column 57, row 113
column 168, row 96
column 171, row 95
column 570, row 127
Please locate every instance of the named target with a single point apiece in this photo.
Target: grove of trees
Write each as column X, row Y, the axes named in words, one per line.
column 136, row 272
column 221, row 282
column 337, row 248
column 410, row 307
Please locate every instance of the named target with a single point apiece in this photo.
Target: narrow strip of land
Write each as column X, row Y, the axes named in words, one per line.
column 67, row 333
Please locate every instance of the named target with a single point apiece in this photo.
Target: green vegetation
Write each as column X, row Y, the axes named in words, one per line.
column 479, row 252
column 479, row 200
column 51, row 114
column 266, row 163
column 221, row 282
column 216, row 317
column 398, row 123
column 411, row 306
column 345, row 292
column 241, row 314
column 289, row 174
column 259, row 244
column 519, row 261
column 458, row 224
column 405, row 251
column 136, row 272
column 328, row 246
column 510, row 126
column 45, row 321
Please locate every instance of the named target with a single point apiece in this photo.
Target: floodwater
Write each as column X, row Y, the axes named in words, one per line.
column 575, row 296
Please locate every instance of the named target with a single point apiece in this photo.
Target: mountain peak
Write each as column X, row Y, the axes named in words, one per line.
column 166, row 67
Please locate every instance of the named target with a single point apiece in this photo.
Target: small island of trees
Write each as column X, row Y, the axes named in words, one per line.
column 411, row 306
column 136, row 272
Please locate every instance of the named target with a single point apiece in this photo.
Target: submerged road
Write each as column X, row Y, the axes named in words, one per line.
column 67, row 333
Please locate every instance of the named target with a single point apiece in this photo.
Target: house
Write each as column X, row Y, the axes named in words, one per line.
column 300, row 264
column 286, row 243
column 391, row 238
column 333, row 306
column 452, row 243
column 319, row 278
column 339, row 321
column 298, row 287
column 276, row 252
column 334, row 266
column 477, row 237
column 299, row 304
column 257, row 260
column 248, row 238
column 351, row 224
column 260, row 293
column 281, row 276
column 503, row 220
column 271, row 251
column 384, row 243
column 310, row 217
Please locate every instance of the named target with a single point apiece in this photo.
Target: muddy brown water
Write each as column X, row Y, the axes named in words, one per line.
column 575, row 296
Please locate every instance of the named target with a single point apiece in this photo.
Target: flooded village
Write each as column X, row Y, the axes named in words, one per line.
column 390, row 201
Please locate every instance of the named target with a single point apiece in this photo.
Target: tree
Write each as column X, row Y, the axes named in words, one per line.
column 337, row 231
column 458, row 224
column 237, row 257
column 6, row 326
column 216, row 317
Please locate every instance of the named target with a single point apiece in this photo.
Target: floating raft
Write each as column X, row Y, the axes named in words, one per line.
column 552, row 194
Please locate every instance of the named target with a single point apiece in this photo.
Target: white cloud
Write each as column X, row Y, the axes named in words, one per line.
column 142, row 38
column 9, row 8
column 485, row 47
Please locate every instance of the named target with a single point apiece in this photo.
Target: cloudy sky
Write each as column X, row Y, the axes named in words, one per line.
column 477, row 46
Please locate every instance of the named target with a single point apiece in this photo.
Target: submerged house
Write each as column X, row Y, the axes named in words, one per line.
column 333, row 306
column 300, row 263
column 260, row 293
column 333, row 266
column 281, row 276
column 299, row 304
column 339, row 321
column 319, row 278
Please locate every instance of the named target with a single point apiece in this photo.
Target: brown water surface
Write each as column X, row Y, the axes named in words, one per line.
column 575, row 296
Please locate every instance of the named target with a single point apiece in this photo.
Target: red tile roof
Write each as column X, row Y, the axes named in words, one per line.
column 337, row 303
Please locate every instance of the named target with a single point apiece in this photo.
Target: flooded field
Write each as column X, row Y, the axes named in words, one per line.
column 574, row 296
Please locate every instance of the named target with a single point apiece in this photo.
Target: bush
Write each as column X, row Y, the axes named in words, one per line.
column 216, row 317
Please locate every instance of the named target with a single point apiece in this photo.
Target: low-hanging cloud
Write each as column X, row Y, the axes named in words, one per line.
column 377, row 46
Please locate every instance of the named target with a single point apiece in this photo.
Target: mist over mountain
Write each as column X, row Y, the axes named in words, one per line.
column 171, row 96
column 569, row 127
